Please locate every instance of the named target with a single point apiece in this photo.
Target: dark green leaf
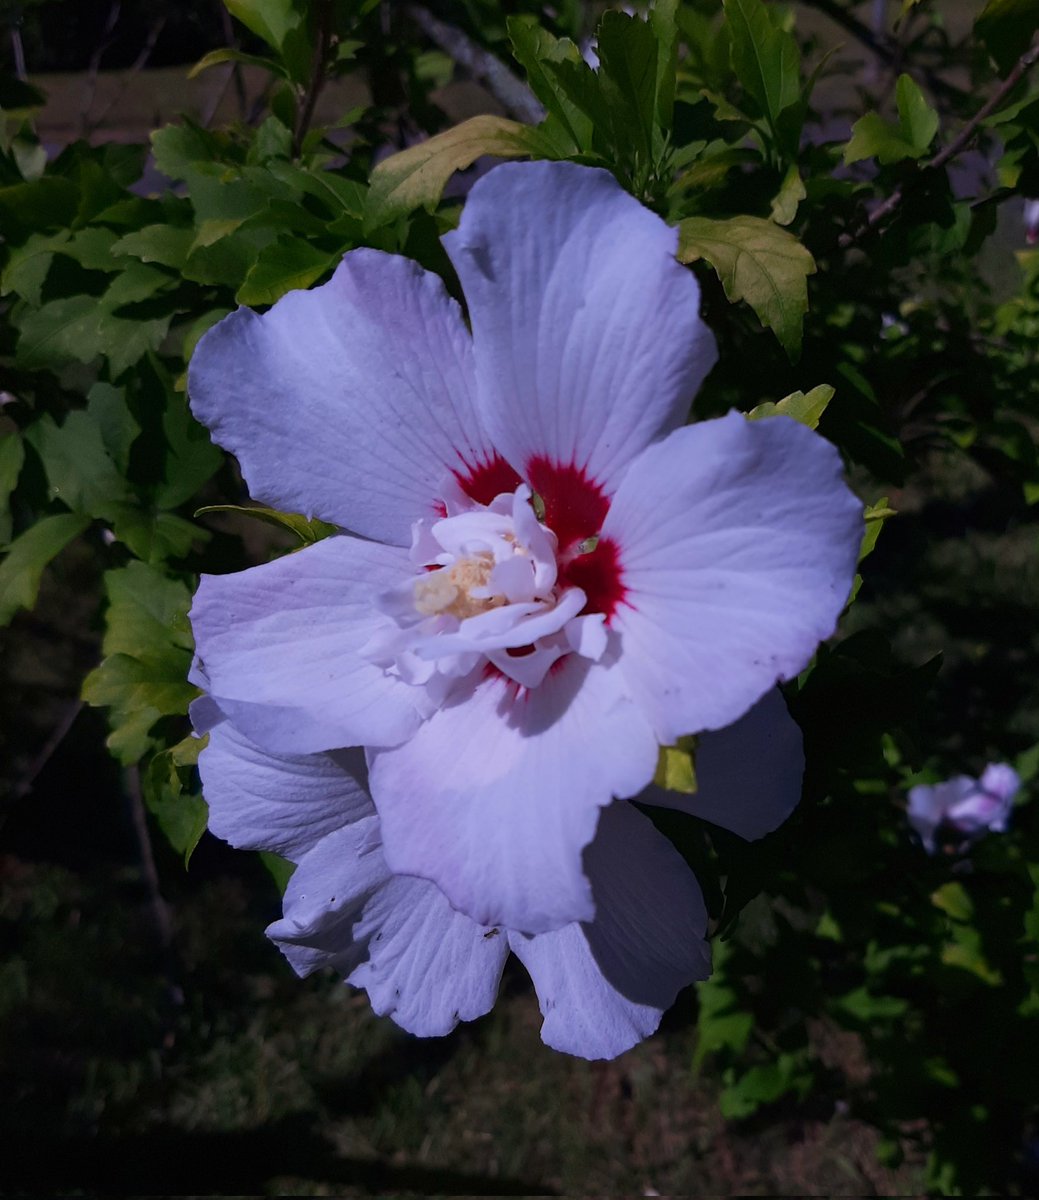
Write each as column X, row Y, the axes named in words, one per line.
column 766, row 59
column 1007, row 28
column 12, row 455
column 24, row 560
column 628, row 77
column 172, row 796
column 284, row 265
column 535, row 50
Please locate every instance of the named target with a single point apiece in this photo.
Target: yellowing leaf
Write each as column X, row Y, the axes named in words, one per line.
column 807, row 408
column 676, row 767
column 758, row 262
column 417, row 176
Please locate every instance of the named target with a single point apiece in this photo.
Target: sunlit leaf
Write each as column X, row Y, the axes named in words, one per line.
column 758, row 262
column 807, row 408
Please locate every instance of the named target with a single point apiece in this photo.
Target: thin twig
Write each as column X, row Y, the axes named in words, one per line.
column 318, row 75
column 24, row 785
column 18, row 51
column 885, row 47
column 138, row 65
column 158, row 909
column 94, row 66
column 511, row 92
column 960, row 143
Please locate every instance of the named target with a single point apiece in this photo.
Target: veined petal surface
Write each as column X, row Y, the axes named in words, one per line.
column 587, row 335
column 421, row 962
column 497, row 794
column 748, row 775
column 280, row 802
column 737, row 543
column 279, row 646
column 604, row 985
column 351, row 402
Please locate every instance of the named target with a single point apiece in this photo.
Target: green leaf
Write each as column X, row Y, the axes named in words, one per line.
column 107, row 408
column 271, row 20
column 307, row 529
column 762, row 1085
column 917, row 119
column 663, row 19
column 191, row 458
column 147, row 611
column 536, row 50
column 138, row 692
column 147, row 647
column 758, row 262
column 172, row 796
column 24, row 560
column 1007, row 27
column 62, row 331
column 873, row 137
column 12, row 455
column 79, row 470
column 806, row 408
column 786, row 200
column 28, row 264
column 226, row 54
column 281, row 870
column 875, row 515
column 676, row 767
column 416, row 177
column 721, row 1024
column 863, row 1006
column 285, row 264
column 628, row 78
column 765, row 59
column 166, row 245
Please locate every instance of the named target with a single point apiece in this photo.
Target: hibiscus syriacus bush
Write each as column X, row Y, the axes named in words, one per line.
column 541, row 576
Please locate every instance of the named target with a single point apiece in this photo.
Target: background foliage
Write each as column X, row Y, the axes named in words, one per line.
column 863, row 268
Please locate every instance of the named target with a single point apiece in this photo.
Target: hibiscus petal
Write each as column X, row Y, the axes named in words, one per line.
column 748, row 775
column 587, row 333
column 351, row 401
column 285, row 803
column 495, row 797
column 603, row 986
column 279, row 645
column 422, row 963
column 737, row 544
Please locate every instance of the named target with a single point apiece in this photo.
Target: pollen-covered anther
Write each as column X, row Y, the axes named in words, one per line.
column 450, row 591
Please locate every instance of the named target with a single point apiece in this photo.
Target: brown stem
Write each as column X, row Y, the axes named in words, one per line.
column 512, row 93
column 318, row 75
column 883, row 45
column 24, row 786
column 963, row 139
column 138, row 65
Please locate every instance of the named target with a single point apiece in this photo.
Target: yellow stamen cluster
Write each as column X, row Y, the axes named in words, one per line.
column 448, row 592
